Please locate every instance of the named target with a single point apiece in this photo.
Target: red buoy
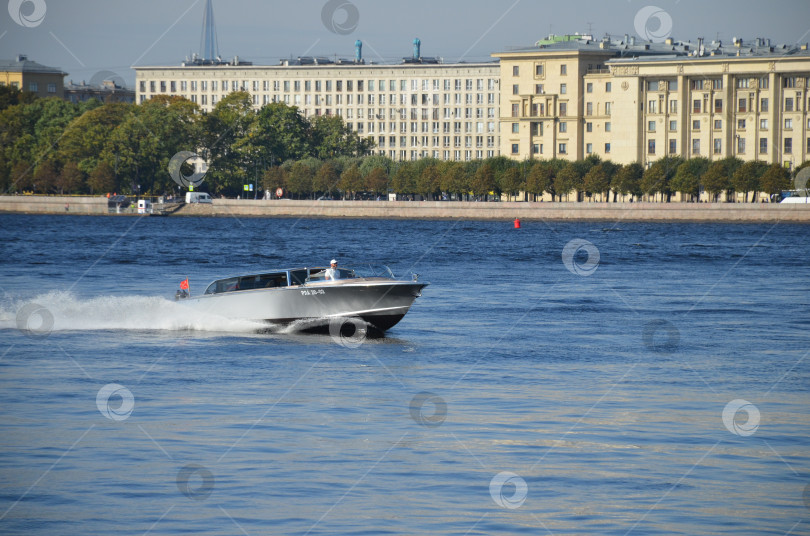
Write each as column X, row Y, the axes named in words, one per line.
column 517, row 223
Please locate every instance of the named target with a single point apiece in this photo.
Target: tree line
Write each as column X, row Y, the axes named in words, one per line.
column 53, row 146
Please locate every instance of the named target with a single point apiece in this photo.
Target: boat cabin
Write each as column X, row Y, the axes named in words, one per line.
column 283, row 278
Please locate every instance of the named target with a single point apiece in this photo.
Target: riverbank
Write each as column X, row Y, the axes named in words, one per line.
column 428, row 210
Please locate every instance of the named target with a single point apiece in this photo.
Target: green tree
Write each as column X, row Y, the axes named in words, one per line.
column 688, row 175
column 747, row 178
column 627, row 180
column 511, row 182
column 70, row 179
column 377, row 181
column 453, row 179
column 597, row 180
column 484, row 181
column 45, row 176
column 403, row 179
column 567, row 180
column 326, row 178
column 351, row 182
column 427, row 182
column 540, row 178
column 226, row 145
column 775, row 179
column 299, row 179
column 656, row 179
column 102, row 179
column 274, row 178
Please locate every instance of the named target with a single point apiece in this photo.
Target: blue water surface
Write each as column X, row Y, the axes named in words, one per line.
column 561, row 378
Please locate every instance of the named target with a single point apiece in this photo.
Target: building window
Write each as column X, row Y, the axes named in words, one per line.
column 717, row 83
column 673, row 125
column 740, row 145
column 515, row 89
column 673, row 106
column 536, row 148
column 741, row 124
column 537, row 129
column 652, row 106
column 763, row 104
column 763, row 145
column 673, row 147
column 696, row 84
column 608, row 126
column 718, row 124
column 788, row 145
column 515, row 148
column 538, row 89
column 789, row 81
column 763, row 124
column 607, row 148
column 608, row 108
column 538, row 70
column 589, row 87
column 515, row 70
column 788, row 104
column 650, row 146
column 33, row 87
column 563, row 148
column 563, row 89
column 563, row 126
column 151, row 87
column 588, row 148
column 563, row 108
column 516, row 110
column 695, row 146
column 718, row 106
column 515, row 128
column 51, row 88
column 143, row 86
column 788, row 124
column 696, row 106
column 742, row 83
column 608, row 87
column 588, row 127
column 718, row 146
column 563, row 69
column 696, row 124
column 808, row 145
column 652, row 85
column 589, row 108
column 651, row 126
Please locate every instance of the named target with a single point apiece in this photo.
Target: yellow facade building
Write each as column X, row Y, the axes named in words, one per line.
column 631, row 101
column 27, row 75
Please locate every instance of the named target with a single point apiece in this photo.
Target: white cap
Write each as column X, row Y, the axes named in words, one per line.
column 333, row 261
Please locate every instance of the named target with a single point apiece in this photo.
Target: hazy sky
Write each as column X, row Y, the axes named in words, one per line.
column 83, row 37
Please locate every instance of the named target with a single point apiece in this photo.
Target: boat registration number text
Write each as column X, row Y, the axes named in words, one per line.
column 313, row 292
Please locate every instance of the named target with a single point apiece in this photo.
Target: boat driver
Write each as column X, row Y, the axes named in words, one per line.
column 332, row 272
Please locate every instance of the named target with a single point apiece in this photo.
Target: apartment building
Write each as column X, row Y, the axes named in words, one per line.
column 414, row 109
column 631, row 101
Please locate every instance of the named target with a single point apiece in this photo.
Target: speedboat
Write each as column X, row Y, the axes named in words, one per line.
column 306, row 295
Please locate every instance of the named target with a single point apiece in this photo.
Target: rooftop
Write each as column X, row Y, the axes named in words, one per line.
column 23, row 65
column 629, row 47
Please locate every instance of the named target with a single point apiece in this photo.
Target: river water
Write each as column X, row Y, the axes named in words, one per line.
column 561, row 378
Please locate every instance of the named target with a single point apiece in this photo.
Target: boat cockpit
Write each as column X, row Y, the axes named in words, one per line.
column 286, row 278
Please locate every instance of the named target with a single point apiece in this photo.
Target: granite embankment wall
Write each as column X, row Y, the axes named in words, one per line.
column 719, row 212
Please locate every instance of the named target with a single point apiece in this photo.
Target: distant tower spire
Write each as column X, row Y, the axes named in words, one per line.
column 209, row 47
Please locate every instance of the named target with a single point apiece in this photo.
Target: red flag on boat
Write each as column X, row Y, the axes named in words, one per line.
column 184, row 284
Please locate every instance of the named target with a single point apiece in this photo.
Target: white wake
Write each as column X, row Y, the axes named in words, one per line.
column 64, row 311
